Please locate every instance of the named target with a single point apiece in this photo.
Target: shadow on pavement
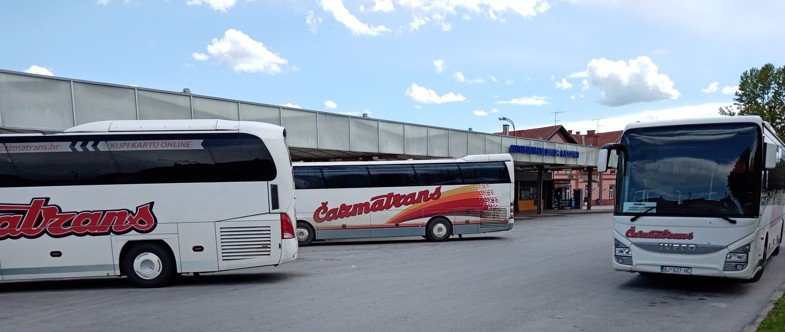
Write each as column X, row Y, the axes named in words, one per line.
column 453, row 239
column 687, row 284
column 120, row 283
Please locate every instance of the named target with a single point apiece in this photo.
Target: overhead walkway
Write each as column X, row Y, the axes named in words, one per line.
column 43, row 103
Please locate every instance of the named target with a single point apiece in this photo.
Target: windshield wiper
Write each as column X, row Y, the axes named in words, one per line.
column 728, row 219
column 638, row 215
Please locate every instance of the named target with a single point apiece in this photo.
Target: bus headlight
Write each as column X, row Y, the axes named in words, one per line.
column 736, row 259
column 621, row 253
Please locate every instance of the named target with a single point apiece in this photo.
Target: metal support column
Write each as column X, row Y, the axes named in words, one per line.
column 588, row 189
column 540, row 170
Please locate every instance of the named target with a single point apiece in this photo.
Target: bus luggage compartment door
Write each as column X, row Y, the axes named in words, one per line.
column 243, row 244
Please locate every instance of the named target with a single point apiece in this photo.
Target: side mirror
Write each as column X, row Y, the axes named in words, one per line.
column 771, row 156
column 602, row 160
column 607, row 158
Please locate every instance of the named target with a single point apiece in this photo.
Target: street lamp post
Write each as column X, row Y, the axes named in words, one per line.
column 504, row 118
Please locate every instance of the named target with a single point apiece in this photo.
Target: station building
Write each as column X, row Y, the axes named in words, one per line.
column 31, row 102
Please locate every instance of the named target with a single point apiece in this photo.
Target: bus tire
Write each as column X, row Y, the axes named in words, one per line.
column 305, row 233
column 149, row 265
column 438, row 229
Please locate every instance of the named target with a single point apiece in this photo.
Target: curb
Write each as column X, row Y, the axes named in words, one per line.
column 753, row 326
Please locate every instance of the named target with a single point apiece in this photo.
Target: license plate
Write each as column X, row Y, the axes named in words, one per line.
column 676, row 270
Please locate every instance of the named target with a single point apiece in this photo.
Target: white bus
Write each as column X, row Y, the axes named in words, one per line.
column 145, row 199
column 430, row 198
column 698, row 197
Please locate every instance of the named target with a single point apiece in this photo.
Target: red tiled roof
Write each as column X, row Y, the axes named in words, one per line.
column 602, row 138
column 544, row 133
column 609, row 137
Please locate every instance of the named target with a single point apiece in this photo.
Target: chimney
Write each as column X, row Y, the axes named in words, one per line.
column 592, row 138
column 505, row 129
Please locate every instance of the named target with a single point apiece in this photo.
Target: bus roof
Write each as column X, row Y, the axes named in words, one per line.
column 176, row 125
column 468, row 158
column 720, row 119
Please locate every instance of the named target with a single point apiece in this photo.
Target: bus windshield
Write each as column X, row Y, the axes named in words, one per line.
column 705, row 170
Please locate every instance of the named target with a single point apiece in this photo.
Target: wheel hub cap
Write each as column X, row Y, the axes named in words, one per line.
column 147, row 265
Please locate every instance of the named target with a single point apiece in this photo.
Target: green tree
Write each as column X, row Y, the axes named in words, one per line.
column 762, row 93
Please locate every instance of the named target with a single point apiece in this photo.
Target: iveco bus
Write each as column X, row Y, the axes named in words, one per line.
column 430, row 198
column 145, row 199
column 698, row 197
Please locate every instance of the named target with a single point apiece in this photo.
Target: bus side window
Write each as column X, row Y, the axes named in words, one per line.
column 9, row 177
column 244, row 158
column 776, row 176
column 346, row 177
column 62, row 168
column 308, row 178
column 438, row 174
column 474, row 173
column 392, row 175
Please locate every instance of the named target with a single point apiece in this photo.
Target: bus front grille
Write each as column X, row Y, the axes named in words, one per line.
column 244, row 242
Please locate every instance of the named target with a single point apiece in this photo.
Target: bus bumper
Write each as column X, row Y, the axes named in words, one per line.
column 289, row 249
column 710, row 265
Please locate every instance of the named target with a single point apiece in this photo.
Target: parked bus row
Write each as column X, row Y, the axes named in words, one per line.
column 152, row 199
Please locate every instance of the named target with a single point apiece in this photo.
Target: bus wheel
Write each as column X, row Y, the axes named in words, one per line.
column 148, row 265
column 438, row 229
column 305, row 233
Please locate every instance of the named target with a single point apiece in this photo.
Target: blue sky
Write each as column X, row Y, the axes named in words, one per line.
column 450, row 63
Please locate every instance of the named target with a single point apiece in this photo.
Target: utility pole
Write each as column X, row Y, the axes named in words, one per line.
column 555, row 114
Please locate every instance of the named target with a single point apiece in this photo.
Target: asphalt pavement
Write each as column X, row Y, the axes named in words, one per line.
column 549, row 274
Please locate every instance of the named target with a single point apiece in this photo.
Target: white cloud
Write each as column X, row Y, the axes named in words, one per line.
column 480, row 113
column 493, row 8
column 730, row 90
column 313, row 21
column 527, row 101
column 459, row 77
column 580, row 74
column 383, row 6
column 637, row 80
column 219, row 5
column 563, row 84
column 509, row 81
column 102, row 2
column 712, row 88
column 346, row 18
column 292, row 105
column 493, row 78
column 200, row 56
column 243, row 54
column 417, row 22
column 418, row 107
column 584, row 84
column 438, row 65
column 675, row 113
column 427, row 96
column 38, row 70
column 494, row 110
column 330, row 105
